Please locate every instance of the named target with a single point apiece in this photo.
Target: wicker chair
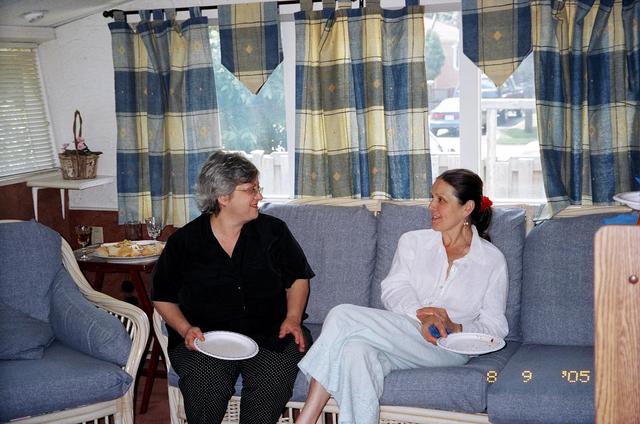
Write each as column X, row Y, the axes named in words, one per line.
column 136, row 323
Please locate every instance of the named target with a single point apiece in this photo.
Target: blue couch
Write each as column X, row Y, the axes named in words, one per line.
column 549, row 310
column 67, row 352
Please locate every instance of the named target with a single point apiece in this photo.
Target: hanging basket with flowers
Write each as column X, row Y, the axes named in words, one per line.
column 79, row 163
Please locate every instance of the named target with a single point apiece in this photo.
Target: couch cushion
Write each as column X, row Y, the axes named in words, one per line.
column 507, row 233
column 461, row 389
column 301, row 386
column 81, row 325
column 340, row 244
column 30, row 257
column 63, row 378
column 393, row 221
column 23, row 337
column 558, row 388
column 557, row 287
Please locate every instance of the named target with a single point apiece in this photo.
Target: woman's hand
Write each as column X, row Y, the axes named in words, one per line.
column 292, row 326
column 190, row 337
column 427, row 322
column 440, row 319
column 174, row 318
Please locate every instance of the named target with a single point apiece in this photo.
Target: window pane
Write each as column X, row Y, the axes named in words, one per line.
column 441, row 57
column 510, row 150
column 254, row 124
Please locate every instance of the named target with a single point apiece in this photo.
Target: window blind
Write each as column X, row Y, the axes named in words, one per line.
column 25, row 141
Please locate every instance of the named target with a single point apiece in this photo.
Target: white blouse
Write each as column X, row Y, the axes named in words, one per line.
column 474, row 293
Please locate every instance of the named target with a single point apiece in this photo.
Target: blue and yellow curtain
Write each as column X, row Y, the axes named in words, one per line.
column 497, row 35
column 587, row 74
column 587, row 70
column 166, row 113
column 361, row 102
column 250, row 44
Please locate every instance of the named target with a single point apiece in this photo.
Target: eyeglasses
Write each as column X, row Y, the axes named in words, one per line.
column 253, row 191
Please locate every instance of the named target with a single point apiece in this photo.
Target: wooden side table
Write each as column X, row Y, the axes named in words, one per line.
column 135, row 268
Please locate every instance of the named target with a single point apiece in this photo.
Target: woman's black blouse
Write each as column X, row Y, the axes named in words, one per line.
column 246, row 292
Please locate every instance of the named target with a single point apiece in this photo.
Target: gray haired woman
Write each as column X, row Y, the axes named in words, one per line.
column 233, row 269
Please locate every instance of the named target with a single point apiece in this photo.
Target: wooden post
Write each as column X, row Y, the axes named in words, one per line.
column 617, row 316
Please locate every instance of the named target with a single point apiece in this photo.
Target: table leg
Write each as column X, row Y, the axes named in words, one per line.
column 143, row 296
column 152, row 367
column 98, row 281
column 151, row 376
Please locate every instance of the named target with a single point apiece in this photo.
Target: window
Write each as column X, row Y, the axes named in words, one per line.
column 254, row 124
column 510, row 150
column 502, row 144
column 497, row 124
column 25, row 142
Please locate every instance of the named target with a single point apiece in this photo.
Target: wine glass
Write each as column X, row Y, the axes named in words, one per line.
column 83, row 234
column 154, row 226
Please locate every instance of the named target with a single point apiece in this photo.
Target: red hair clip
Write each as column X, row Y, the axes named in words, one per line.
column 486, row 203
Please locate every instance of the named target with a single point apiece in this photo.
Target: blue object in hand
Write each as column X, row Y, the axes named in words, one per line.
column 435, row 332
column 622, row 219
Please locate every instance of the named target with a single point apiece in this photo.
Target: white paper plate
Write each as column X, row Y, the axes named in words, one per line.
column 471, row 343
column 227, row 345
column 630, row 198
column 127, row 259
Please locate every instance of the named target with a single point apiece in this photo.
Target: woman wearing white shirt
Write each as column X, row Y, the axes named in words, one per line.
column 451, row 277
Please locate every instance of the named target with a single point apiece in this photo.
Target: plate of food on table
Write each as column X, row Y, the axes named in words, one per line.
column 129, row 250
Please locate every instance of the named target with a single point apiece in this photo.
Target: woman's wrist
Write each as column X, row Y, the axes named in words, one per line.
column 186, row 329
column 295, row 318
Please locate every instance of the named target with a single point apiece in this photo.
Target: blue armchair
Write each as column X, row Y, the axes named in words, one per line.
column 69, row 354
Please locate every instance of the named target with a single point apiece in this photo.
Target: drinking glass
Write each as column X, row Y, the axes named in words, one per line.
column 154, row 226
column 132, row 230
column 83, row 234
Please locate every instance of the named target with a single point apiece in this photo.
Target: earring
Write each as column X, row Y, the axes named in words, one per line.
column 465, row 223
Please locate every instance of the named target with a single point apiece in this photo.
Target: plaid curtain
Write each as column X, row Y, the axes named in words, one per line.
column 361, row 103
column 166, row 114
column 587, row 67
column 496, row 35
column 250, row 45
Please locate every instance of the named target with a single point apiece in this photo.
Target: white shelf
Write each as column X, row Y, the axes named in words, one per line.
column 56, row 181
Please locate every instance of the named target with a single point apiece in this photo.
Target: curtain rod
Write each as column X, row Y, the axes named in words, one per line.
column 109, row 13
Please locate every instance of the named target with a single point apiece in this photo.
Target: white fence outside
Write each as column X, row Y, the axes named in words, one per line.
column 515, row 178
column 275, row 172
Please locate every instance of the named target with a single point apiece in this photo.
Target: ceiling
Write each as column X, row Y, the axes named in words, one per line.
column 58, row 12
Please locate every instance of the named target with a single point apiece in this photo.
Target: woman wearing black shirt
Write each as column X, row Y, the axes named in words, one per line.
column 233, row 269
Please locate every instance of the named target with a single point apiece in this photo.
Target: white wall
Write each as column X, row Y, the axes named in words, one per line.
column 77, row 70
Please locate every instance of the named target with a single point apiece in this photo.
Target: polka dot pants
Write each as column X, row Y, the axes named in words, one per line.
column 207, row 384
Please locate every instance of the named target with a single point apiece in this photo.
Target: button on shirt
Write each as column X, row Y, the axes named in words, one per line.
column 246, row 292
column 474, row 292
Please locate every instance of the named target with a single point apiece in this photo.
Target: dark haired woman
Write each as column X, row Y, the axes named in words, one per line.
column 448, row 276
column 233, row 269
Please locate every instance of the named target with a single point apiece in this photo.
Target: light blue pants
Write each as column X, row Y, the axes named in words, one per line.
column 358, row 347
